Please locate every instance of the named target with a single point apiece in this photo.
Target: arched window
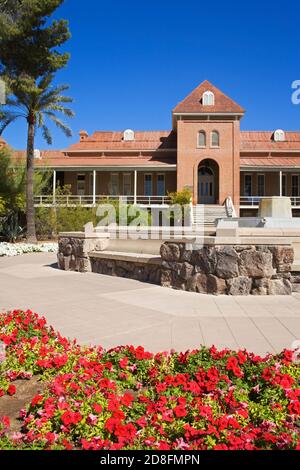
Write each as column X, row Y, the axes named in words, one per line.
column 128, row 135
column 202, row 139
column 279, row 135
column 208, row 98
column 215, row 139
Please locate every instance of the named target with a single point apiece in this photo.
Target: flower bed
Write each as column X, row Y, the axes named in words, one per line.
column 127, row 398
column 11, row 249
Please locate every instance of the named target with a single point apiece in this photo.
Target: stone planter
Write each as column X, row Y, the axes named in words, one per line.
column 228, row 269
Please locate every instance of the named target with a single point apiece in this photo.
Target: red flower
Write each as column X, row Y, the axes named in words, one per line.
column 11, row 390
column 123, row 362
column 127, row 399
column 287, row 381
column 70, row 417
column 5, row 421
column 242, row 357
column 36, row 400
column 97, row 408
column 180, row 411
column 67, row 444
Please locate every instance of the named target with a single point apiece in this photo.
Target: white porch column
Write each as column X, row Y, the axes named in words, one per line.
column 280, row 183
column 54, row 187
column 94, row 186
column 135, row 186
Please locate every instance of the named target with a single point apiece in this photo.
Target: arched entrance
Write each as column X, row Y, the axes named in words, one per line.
column 208, row 182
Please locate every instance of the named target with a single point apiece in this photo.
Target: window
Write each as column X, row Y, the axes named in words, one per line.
column 148, row 185
column 215, row 139
column 248, row 185
column 284, row 185
column 127, row 190
column 202, row 139
column 261, row 185
column 161, row 190
column 279, row 135
column 80, row 185
column 208, row 98
column 114, row 184
column 128, row 135
column 295, row 185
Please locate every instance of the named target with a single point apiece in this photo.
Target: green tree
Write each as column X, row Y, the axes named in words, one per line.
column 29, row 58
column 13, row 187
column 35, row 102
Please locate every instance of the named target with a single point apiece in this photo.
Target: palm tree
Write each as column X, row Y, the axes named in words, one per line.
column 35, row 101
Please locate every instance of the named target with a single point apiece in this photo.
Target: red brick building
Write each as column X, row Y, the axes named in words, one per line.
column 205, row 151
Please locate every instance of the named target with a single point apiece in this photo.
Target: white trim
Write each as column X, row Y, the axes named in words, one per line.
column 54, row 186
column 94, row 186
column 135, row 186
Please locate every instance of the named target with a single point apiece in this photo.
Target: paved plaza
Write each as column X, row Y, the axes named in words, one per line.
column 111, row 311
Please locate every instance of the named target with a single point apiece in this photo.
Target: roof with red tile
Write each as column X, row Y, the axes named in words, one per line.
column 58, row 159
column 264, row 140
column 276, row 162
column 143, row 140
column 193, row 102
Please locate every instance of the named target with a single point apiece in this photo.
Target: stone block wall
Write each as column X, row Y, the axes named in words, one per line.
column 215, row 269
column 228, row 269
column 73, row 252
column 144, row 272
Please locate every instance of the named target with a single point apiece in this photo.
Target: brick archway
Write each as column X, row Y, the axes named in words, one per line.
column 208, row 182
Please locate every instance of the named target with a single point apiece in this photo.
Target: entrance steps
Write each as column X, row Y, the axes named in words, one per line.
column 207, row 215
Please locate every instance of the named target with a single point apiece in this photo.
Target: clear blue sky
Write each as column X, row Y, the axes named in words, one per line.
column 133, row 61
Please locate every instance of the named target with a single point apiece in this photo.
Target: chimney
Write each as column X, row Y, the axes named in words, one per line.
column 83, row 135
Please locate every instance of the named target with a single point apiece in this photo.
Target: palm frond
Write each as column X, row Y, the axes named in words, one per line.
column 62, row 126
column 46, row 134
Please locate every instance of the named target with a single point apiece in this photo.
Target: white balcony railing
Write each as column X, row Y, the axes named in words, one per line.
column 248, row 202
column 90, row 201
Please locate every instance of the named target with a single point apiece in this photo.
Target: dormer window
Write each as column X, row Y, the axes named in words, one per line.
column 279, row 135
column 208, row 98
column 128, row 135
column 202, row 139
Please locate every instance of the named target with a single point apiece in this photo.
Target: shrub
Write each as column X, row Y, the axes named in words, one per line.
column 181, row 197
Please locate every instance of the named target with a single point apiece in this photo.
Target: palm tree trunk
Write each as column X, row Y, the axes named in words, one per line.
column 30, row 213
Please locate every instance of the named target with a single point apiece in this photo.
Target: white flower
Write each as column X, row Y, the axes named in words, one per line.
column 10, row 249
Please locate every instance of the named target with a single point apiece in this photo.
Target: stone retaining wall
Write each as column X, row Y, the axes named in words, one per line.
column 144, row 272
column 228, row 269
column 213, row 269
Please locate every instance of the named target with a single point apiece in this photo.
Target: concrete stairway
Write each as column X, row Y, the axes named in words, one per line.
column 208, row 214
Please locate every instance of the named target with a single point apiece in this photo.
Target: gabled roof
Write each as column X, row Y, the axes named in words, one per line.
column 193, row 102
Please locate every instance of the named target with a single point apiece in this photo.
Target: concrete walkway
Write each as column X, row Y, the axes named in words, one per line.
column 109, row 311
